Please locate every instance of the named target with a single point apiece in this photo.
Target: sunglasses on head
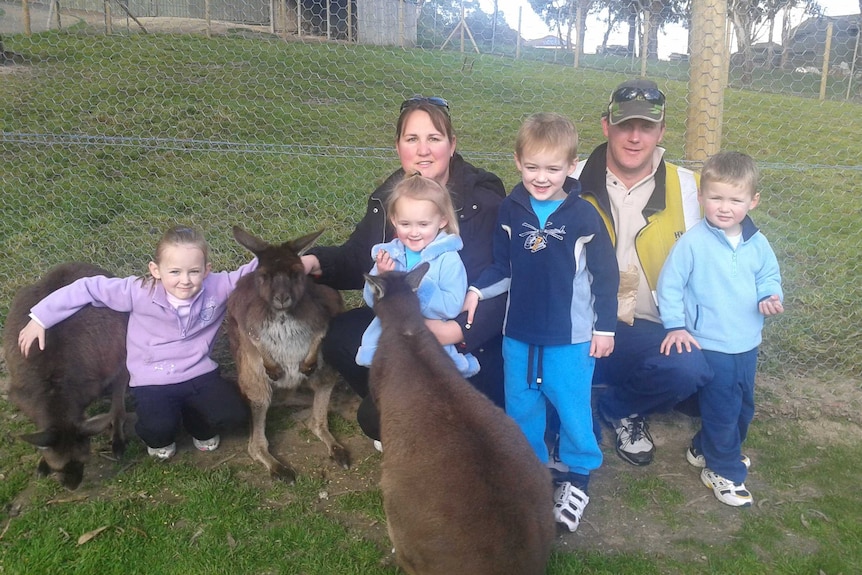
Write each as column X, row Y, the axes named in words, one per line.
column 651, row 95
column 433, row 100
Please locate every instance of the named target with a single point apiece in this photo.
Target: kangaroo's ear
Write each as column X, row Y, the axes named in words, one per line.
column 43, row 439
column 414, row 278
column 248, row 241
column 303, row 244
column 377, row 285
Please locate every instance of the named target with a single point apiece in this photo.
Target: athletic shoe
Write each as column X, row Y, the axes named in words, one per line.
column 569, row 505
column 378, row 445
column 162, row 453
column 696, row 458
column 725, row 490
column 210, row 444
column 634, row 442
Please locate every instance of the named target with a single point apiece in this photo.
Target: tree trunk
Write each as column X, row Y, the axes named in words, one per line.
column 611, row 22
column 743, row 42
column 785, row 36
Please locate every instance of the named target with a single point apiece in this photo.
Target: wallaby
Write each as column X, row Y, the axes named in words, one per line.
column 462, row 489
column 276, row 320
column 84, row 358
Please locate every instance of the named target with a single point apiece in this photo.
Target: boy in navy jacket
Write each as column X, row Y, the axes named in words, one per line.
column 552, row 253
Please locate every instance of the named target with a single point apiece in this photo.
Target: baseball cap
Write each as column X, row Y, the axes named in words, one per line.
column 637, row 98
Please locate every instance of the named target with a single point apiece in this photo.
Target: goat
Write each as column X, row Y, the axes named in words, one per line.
column 463, row 491
column 84, row 357
column 276, row 320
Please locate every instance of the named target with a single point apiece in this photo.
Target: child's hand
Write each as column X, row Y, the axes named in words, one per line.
column 384, row 262
column 471, row 302
column 771, row 306
column 30, row 333
column 678, row 338
column 601, row 346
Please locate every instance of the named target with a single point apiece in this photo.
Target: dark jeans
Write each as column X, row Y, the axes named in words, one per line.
column 339, row 350
column 203, row 405
column 727, row 408
column 642, row 380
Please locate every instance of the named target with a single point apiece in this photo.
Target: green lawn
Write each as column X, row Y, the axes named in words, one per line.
column 104, row 141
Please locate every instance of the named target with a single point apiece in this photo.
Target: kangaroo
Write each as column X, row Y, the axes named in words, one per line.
column 84, row 358
column 276, row 320
column 462, row 489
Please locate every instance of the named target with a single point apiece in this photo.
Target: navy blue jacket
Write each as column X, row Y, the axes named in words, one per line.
column 562, row 279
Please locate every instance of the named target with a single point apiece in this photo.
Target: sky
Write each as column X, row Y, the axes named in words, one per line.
column 672, row 39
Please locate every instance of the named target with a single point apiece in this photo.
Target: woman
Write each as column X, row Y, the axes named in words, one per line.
column 425, row 143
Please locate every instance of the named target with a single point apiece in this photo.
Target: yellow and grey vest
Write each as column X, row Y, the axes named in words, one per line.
column 671, row 210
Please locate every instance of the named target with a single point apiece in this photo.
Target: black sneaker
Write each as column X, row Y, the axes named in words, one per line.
column 634, row 442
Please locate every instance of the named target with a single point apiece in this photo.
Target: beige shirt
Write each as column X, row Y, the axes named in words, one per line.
column 627, row 205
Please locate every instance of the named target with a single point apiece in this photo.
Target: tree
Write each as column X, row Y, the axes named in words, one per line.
column 556, row 14
column 750, row 17
column 656, row 13
column 445, row 15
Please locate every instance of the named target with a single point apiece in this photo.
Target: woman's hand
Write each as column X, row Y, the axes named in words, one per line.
column 30, row 333
column 311, row 265
column 446, row 332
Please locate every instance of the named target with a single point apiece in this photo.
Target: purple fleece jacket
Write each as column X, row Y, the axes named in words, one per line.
column 162, row 348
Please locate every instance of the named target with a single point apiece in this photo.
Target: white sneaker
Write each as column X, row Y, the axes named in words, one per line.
column 725, row 490
column 162, row 453
column 378, row 445
column 696, row 458
column 569, row 505
column 210, row 444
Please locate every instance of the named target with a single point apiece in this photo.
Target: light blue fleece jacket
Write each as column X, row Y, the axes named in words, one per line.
column 713, row 290
column 441, row 293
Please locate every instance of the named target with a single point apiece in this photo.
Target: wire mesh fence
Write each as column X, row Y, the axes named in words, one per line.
column 280, row 118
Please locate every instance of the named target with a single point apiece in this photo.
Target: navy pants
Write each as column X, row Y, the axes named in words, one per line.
column 727, row 408
column 339, row 351
column 642, row 380
column 203, row 405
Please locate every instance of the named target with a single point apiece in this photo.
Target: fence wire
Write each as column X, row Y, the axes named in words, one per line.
column 279, row 123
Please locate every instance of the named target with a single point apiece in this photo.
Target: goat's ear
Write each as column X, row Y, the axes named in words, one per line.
column 377, row 285
column 248, row 241
column 42, row 439
column 414, row 278
column 303, row 244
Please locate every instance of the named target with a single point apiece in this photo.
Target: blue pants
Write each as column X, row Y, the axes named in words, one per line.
column 727, row 408
column 642, row 380
column 566, row 372
column 203, row 405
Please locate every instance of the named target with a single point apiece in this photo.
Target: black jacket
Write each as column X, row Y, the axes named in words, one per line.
column 476, row 195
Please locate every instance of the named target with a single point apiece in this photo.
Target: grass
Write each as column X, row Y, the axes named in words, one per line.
column 110, row 138
column 107, row 139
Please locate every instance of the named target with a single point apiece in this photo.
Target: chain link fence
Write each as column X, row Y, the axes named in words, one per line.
column 121, row 118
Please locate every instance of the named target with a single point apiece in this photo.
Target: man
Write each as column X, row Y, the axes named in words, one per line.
column 646, row 204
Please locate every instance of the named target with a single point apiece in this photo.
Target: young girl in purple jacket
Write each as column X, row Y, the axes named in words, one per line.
column 174, row 316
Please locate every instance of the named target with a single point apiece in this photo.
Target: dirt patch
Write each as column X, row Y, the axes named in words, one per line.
column 664, row 504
